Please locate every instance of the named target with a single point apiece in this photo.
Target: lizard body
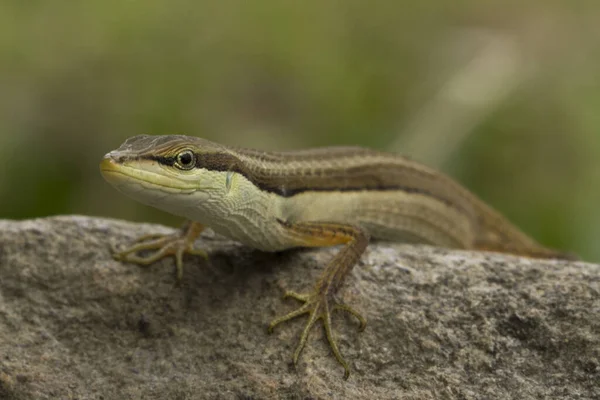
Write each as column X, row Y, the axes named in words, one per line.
column 273, row 201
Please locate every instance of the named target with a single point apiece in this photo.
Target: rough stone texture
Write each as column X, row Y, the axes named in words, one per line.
column 442, row 324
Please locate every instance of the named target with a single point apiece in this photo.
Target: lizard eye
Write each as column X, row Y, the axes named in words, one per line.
column 186, row 160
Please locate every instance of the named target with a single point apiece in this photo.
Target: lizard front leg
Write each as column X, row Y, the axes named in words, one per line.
column 320, row 303
column 176, row 244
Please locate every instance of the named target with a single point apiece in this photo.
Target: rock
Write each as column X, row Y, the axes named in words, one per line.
column 74, row 323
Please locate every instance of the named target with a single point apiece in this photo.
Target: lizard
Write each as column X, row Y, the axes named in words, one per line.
column 320, row 197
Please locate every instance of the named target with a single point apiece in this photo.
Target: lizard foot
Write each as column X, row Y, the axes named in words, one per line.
column 317, row 306
column 176, row 244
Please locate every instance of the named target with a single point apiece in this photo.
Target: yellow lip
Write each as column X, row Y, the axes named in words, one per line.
column 111, row 171
column 107, row 164
column 150, row 176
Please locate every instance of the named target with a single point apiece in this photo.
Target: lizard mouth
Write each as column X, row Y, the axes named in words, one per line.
column 146, row 174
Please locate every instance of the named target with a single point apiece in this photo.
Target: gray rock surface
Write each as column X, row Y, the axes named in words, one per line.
column 75, row 324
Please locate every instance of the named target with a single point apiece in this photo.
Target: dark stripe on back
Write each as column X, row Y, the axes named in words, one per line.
column 357, row 179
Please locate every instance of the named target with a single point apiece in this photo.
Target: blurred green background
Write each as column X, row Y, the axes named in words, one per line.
column 505, row 97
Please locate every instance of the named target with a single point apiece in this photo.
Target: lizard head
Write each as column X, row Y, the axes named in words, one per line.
column 172, row 172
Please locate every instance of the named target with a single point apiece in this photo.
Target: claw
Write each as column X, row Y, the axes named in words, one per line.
column 362, row 320
column 303, row 298
column 317, row 306
column 176, row 245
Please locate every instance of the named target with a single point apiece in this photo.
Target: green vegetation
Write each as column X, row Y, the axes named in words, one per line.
column 79, row 77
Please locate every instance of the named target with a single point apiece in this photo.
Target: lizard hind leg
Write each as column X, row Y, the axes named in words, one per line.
column 176, row 244
column 320, row 303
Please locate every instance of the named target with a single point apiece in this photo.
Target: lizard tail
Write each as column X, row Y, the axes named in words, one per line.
column 497, row 234
column 529, row 251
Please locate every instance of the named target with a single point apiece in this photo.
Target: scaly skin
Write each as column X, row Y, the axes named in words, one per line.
column 311, row 198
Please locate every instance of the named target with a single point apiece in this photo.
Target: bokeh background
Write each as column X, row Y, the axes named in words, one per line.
column 504, row 96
